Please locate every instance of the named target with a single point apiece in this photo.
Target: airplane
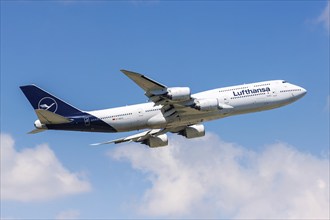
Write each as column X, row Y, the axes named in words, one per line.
column 170, row 109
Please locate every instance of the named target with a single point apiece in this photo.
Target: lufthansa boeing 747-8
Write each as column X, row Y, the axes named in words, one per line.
column 171, row 109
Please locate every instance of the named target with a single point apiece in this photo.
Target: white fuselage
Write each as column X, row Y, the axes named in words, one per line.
column 243, row 99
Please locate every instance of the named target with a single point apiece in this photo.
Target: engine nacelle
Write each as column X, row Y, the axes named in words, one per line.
column 193, row 131
column 207, row 104
column 178, row 93
column 37, row 124
column 157, row 141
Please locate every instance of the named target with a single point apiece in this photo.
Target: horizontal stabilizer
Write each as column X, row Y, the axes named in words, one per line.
column 37, row 130
column 47, row 117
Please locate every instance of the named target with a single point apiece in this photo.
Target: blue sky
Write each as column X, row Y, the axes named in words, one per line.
column 75, row 51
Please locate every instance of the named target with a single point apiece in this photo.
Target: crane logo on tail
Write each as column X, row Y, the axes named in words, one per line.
column 48, row 104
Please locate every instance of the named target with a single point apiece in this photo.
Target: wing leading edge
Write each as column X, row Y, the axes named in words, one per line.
column 144, row 82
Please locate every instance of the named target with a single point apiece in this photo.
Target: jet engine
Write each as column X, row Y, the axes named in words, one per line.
column 206, row 104
column 211, row 105
column 178, row 93
column 193, row 131
column 156, row 141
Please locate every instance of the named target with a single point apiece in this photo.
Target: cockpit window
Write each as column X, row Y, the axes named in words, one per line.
column 284, row 81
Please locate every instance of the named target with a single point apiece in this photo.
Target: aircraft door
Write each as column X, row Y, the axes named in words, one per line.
column 139, row 121
column 226, row 100
column 140, row 112
column 274, row 92
column 87, row 121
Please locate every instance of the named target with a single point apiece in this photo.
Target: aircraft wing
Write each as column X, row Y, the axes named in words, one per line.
column 140, row 137
column 144, row 82
column 161, row 95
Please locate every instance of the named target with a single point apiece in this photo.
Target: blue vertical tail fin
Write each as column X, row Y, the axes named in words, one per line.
column 40, row 99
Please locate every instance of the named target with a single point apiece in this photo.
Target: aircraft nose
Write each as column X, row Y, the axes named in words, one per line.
column 302, row 92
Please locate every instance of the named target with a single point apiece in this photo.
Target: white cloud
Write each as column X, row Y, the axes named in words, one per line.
column 69, row 214
column 35, row 174
column 209, row 178
column 324, row 17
